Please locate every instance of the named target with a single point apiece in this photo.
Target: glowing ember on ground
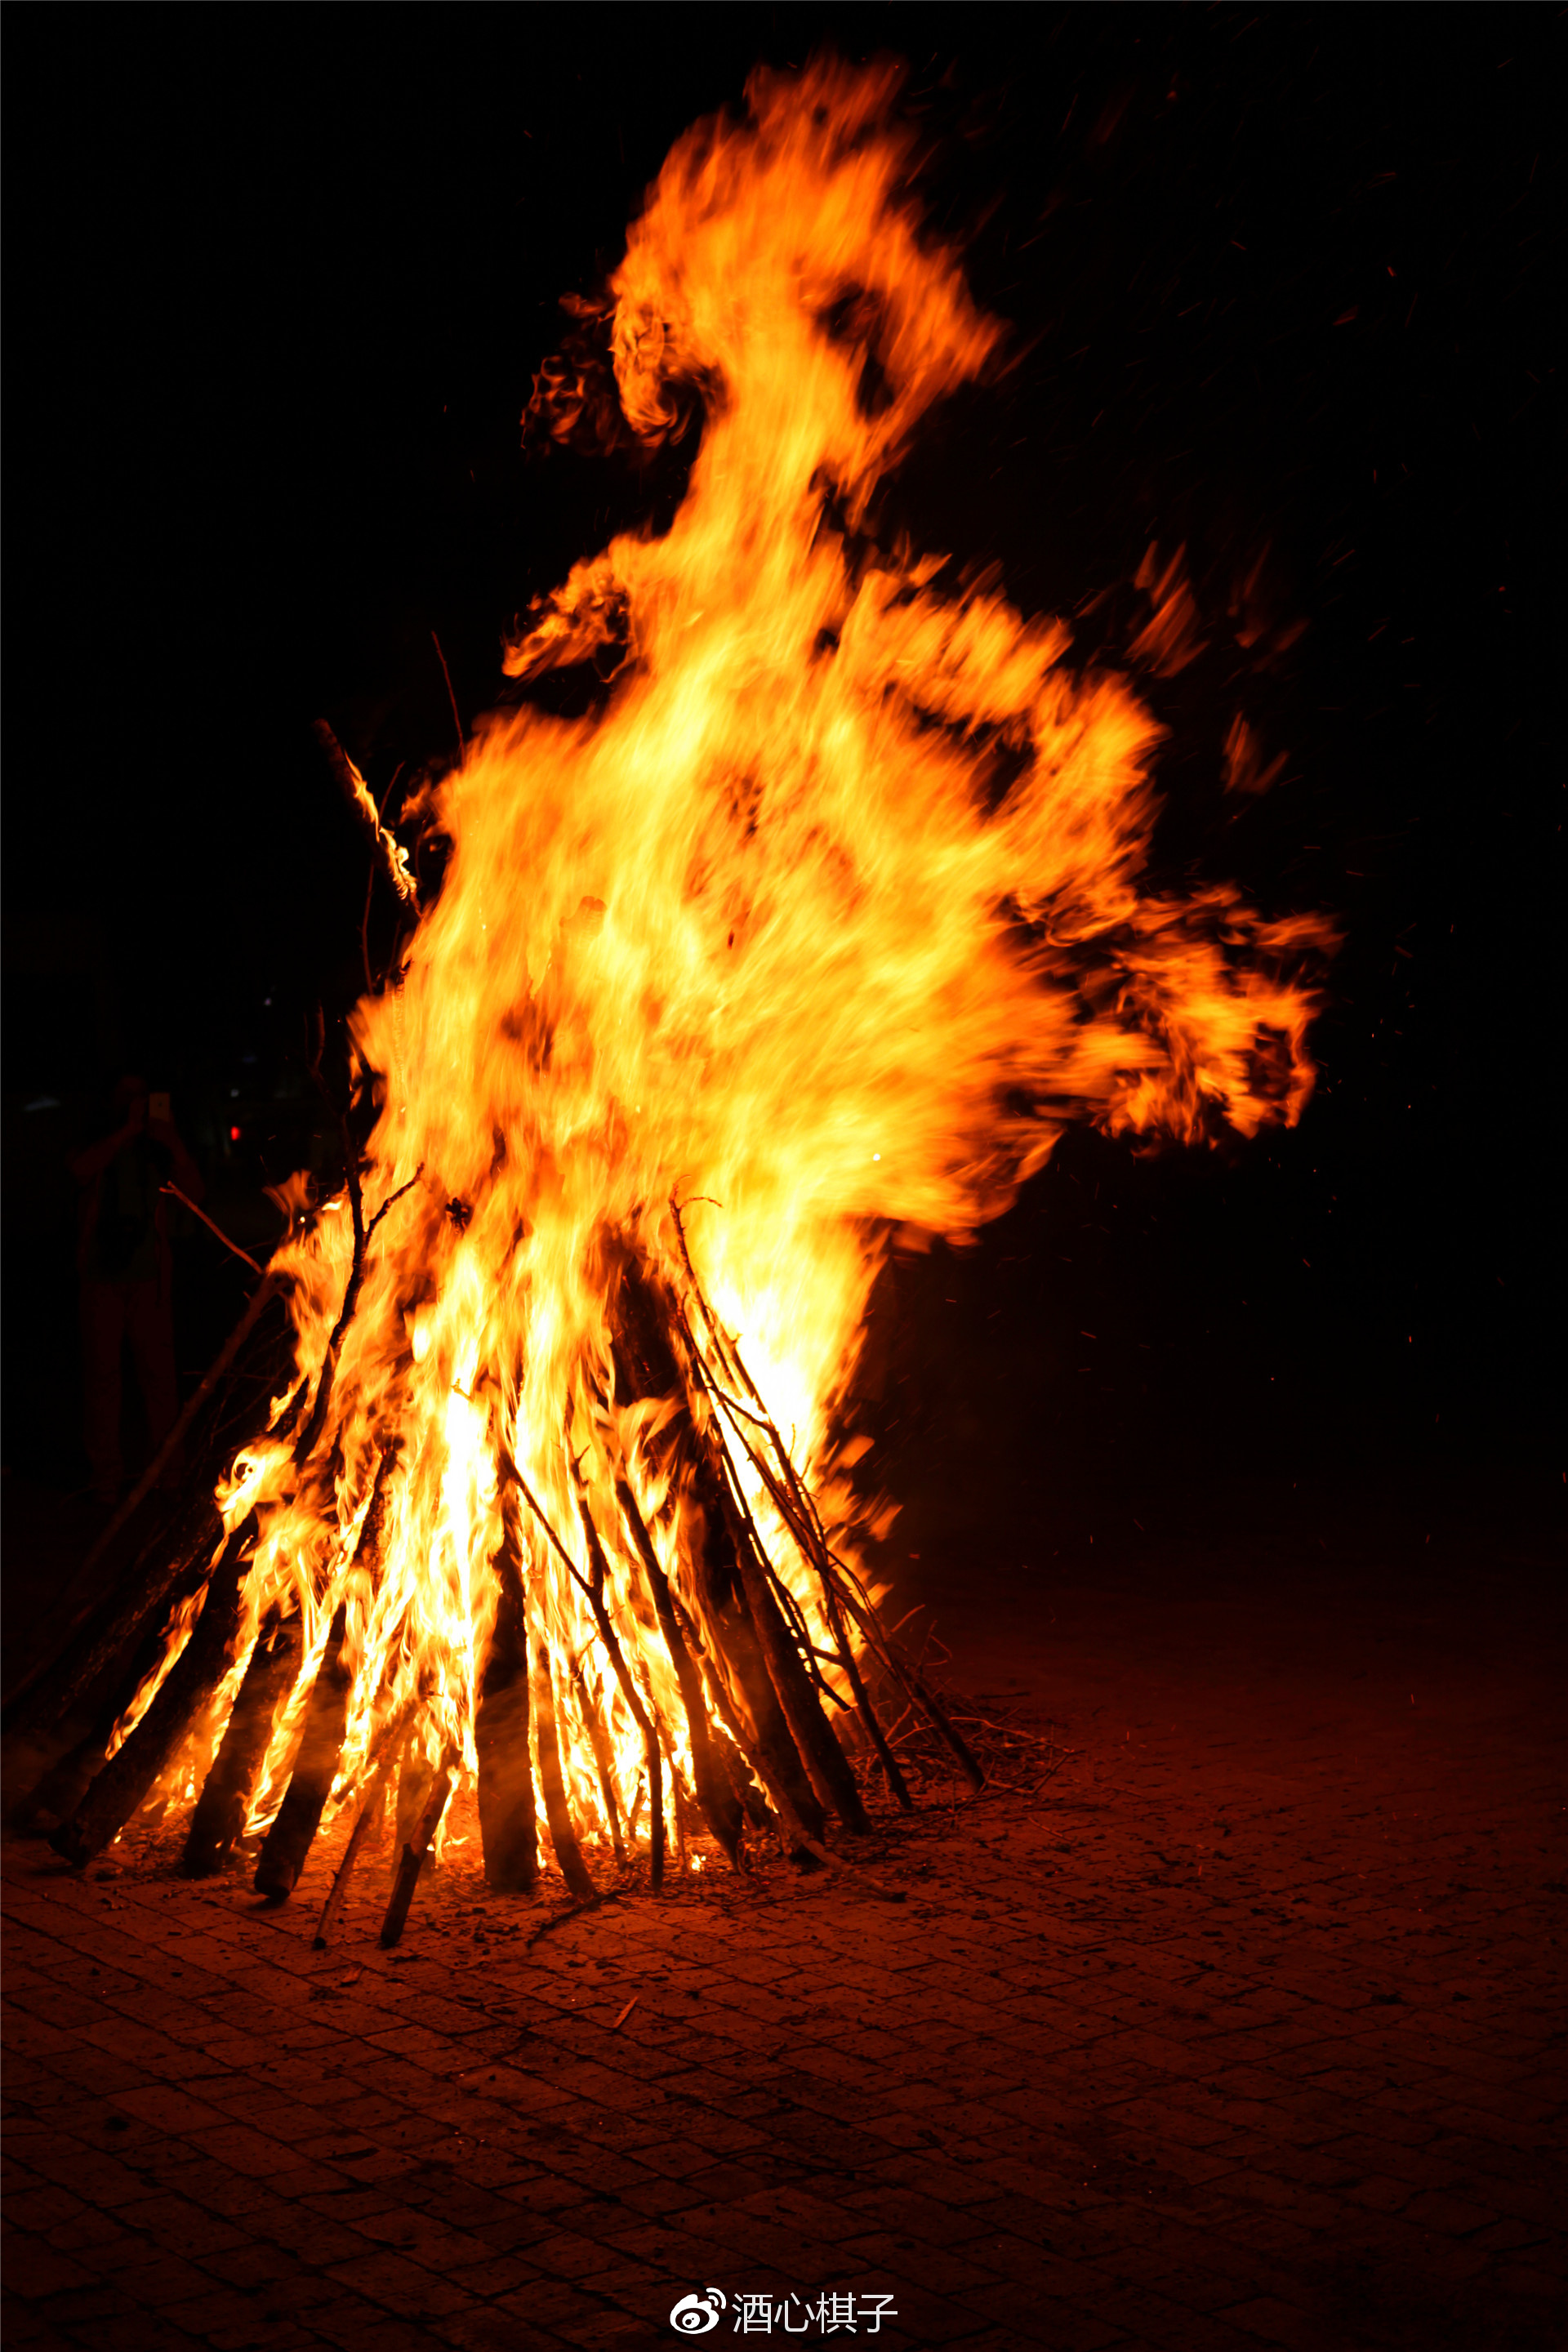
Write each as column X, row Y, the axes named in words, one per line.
column 809, row 941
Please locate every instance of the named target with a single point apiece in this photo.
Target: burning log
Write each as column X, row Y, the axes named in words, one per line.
column 721, row 1806
column 388, row 1748
column 827, row 1767
column 411, row 1860
column 415, row 1778
column 641, row 1715
column 509, row 1825
column 195, row 1404
column 897, row 1787
column 646, row 1367
column 219, row 1820
column 124, row 1781
column 563, row 1836
column 173, row 1563
column 795, row 1506
column 293, row 1830
column 604, row 1761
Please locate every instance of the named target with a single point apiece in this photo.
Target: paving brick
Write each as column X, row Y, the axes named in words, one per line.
column 1033, row 2319
column 1279, row 2323
column 34, row 2270
column 22, row 2324
column 98, row 2242
column 400, row 2285
column 488, row 2330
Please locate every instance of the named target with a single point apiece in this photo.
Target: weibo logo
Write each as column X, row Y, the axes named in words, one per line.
column 694, row 2315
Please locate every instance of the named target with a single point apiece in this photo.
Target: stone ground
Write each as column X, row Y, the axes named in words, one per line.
column 1244, row 2028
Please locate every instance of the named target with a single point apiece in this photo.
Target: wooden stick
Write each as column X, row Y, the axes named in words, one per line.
column 369, row 1812
column 794, row 1834
column 357, row 792
column 573, row 1911
column 267, row 1290
column 298, row 1818
column 807, row 1528
column 809, row 1537
column 973, row 1772
column 219, row 1817
column 304, row 1445
column 451, row 697
column 412, row 1859
column 293, row 1830
column 641, row 1715
column 720, row 1807
column 592, row 1591
column 84, row 1651
column 828, row 1767
column 604, row 1761
column 563, row 1836
column 646, row 1366
column 508, row 1824
column 187, row 1202
column 415, row 1778
column 899, row 1664
column 897, row 1784
column 130, row 1771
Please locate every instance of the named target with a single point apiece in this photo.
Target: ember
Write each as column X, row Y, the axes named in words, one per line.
column 726, row 990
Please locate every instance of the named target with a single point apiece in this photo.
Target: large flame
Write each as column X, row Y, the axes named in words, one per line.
column 821, row 927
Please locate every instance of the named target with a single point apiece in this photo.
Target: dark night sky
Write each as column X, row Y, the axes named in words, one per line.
column 277, row 280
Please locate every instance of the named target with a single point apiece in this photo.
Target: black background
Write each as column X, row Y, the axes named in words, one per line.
column 1282, row 283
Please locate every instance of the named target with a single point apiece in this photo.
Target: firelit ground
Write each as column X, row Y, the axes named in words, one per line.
column 1246, row 2030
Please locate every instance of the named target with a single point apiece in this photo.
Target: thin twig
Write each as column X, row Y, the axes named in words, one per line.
column 646, row 1719
column 450, row 696
column 305, row 1443
column 187, row 1202
column 393, row 1197
column 357, row 792
column 793, row 1501
column 575, row 1911
column 386, row 1754
column 538, row 1509
column 412, row 1859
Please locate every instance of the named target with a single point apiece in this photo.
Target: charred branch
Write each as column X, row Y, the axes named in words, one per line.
column 173, row 1563
column 604, row 1760
column 195, row 1406
column 361, row 799
column 720, row 1807
column 646, row 1366
column 411, row 1861
column 370, row 1812
column 792, row 1499
column 563, row 1835
column 154, row 1742
column 594, row 1586
column 290, row 1837
column 218, row 1821
column 509, row 1827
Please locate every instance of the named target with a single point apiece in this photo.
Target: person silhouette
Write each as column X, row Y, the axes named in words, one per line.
column 125, row 1268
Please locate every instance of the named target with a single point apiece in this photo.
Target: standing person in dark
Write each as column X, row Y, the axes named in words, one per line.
column 126, row 1270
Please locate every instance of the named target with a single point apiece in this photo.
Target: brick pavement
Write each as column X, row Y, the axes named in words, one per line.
column 1244, row 2031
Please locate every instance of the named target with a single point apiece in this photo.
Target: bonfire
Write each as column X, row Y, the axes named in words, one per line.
column 802, row 948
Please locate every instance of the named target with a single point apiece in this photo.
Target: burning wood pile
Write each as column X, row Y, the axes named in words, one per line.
column 804, row 947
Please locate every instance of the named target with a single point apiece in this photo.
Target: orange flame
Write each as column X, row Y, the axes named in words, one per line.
column 768, row 935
